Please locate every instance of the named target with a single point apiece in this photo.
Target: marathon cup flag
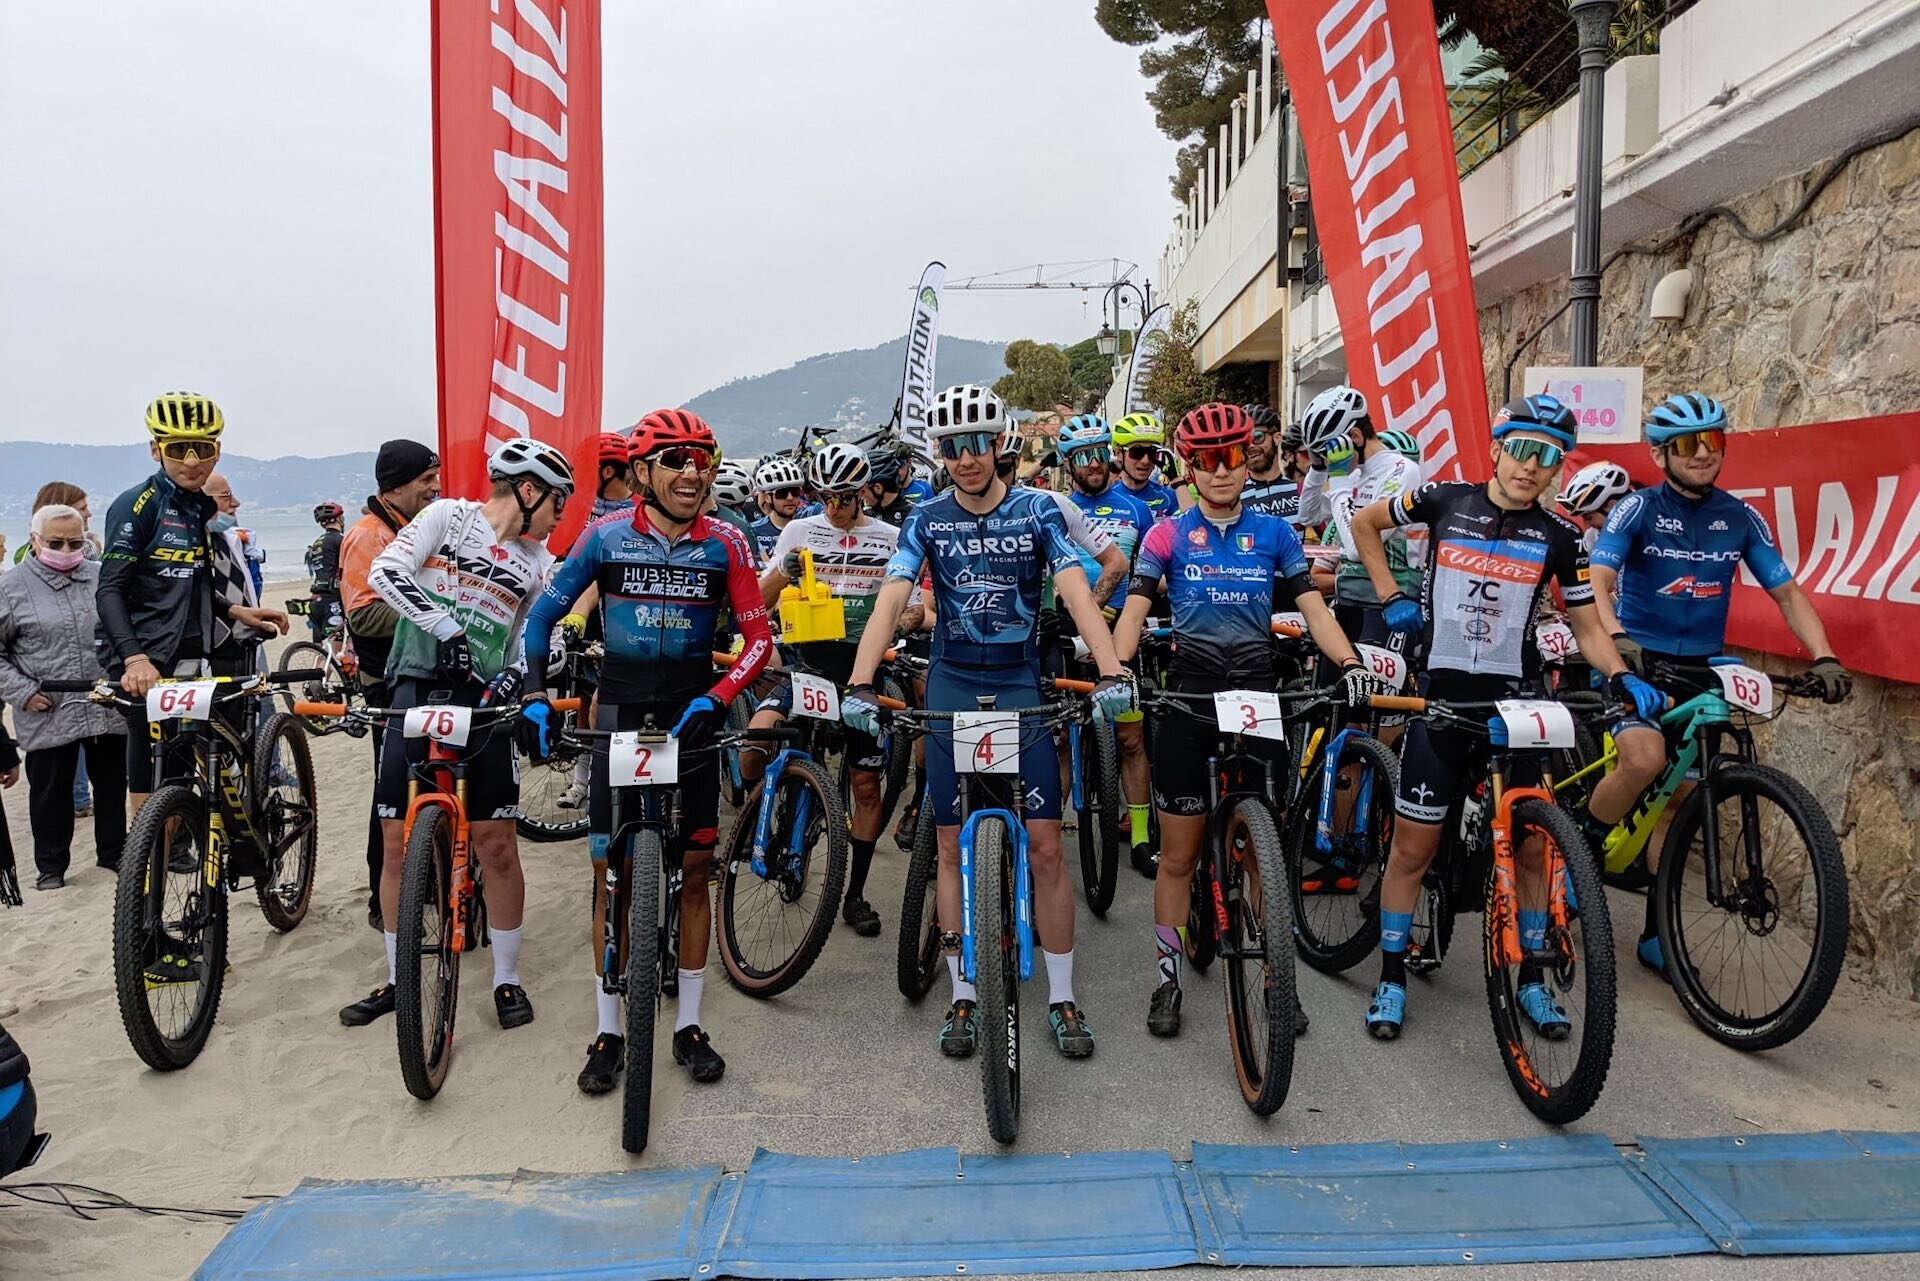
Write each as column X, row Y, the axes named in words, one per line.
column 923, row 336
column 517, row 233
column 1153, row 332
column 1366, row 82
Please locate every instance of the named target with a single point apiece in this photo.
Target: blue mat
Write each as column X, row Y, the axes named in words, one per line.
column 1828, row 1193
column 1524, row 1200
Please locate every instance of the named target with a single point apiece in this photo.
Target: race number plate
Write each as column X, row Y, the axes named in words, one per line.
column 815, row 696
column 181, row 701
column 1746, row 688
column 448, row 725
column 1556, row 642
column 1536, row 722
column 1384, row 663
column 1253, row 712
column 1296, row 621
column 632, row 763
column 986, row 742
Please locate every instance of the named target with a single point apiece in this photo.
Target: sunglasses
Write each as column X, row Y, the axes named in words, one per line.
column 681, row 457
column 1088, row 455
column 1213, row 458
column 1687, row 446
column 190, row 451
column 791, row 492
column 1139, row 453
column 981, row 444
column 1261, row 436
column 1534, row 451
column 839, row 500
column 64, row 544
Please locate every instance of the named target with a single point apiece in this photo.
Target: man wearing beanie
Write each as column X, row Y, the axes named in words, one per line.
column 407, row 474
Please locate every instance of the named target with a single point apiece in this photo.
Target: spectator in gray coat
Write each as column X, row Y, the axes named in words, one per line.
column 46, row 633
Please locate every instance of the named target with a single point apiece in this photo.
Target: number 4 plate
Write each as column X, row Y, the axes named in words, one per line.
column 632, row 763
column 1253, row 712
column 1747, row 688
column 181, row 701
column 816, row 697
column 449, row 725
column 986, row 742
column 1536, row 722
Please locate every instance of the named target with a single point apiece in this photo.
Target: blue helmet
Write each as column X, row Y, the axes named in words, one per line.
column 1085, row 431
column 1683, row 415
column 1543, row 413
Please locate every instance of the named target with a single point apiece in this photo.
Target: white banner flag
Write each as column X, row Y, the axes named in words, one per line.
column 923, row 335
column 1151, row 334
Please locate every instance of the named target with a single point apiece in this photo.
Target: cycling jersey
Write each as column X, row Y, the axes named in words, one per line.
column 1160, row 499
column 1676, row 557
column 659, row 605
column 156, row 596
column 1087, row 540
column 853, row 565
column 1223, row 585
column 895, row 512
column 447, row 573
column 607, row 506
column 1385, row 475
column 1120, row 516
column 1490, row 570
column 323, row 563
column 917, row 491
column 986, row 571
column 1277, row 497
column 765, row 535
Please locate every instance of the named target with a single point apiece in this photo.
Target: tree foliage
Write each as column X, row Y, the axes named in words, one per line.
column 1039, row 376
column 1092, row 372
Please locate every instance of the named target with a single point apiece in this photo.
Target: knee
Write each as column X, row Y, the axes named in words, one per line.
column 866, row 787
column 1642, row 754
column 698, row 866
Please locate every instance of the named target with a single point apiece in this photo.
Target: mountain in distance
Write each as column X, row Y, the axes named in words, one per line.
column 107, row 470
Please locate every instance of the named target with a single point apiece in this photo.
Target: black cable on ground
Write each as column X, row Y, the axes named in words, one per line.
column 92, row 1201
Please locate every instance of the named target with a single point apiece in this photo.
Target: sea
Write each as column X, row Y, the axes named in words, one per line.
column 285, row 533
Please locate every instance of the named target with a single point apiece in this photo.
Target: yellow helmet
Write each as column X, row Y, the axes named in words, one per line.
column 1138, row 429
column 184, row 415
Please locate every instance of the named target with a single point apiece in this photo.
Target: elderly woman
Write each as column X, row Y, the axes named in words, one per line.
column 46, row 633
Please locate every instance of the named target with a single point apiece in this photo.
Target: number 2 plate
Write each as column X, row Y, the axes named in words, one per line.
column 181, row 701
column 1746, row 688
column 1536, row 722
column 815, row 696
column 1384, row 663
column 449, row 725
column 986, row 742
column 1253, row 712
column 632, row 763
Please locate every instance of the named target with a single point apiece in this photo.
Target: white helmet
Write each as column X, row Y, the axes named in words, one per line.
column 778, row 472
column 1593, row 486
column 965, row 408
column 525, row 457
column 838, row 468
column 731, row 484
column 1330, row 415
column 1010, row 439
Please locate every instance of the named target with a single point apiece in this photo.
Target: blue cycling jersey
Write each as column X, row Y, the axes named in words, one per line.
column 987, row 572
column 765, row 535
column 1223, row 586
column 1676, row 557
column 917, row 491
column 1121, row 516
column 1160, row 499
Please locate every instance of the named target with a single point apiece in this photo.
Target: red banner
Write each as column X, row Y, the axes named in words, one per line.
column 1366, row 82
column 517, row 243
column 1844, row 503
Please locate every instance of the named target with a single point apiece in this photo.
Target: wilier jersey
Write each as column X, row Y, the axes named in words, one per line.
column 1491, row 569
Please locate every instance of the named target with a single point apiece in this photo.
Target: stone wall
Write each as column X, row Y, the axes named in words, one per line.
column 1819, row 324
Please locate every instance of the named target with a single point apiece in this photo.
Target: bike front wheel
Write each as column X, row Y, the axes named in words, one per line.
column 1100, row 831
column 286, row 818
column 917, row 953
column 553, row 792
column 1755, row 968
column 1336, row 892
column 169, row 931
column 996, row 964
column 773, row 927
column 1262, row 1000
column 426, row 987
column 643, row 985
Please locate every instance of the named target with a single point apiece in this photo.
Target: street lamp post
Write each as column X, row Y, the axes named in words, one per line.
column 1592, row 19
column 1108, row 339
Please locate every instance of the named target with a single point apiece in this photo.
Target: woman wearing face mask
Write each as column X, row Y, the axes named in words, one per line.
column 47, row 621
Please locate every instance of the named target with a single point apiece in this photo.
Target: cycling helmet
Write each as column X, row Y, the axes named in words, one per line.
column 1589, row 489
column 525, row 458
column 1138, row 429
column 1085, row 432
column 1680, row 415
column 615, row 450
column 732, row 486
column 778, row 472
column 1542, row 413
column 1210, row 425
column 1292, row 438
column 664, row 428
column 965, row 408
column 1402, row 443
column 838, row 469
column 184, row 415
column 328, row 512
column 1330, row 416
column 1263, row 417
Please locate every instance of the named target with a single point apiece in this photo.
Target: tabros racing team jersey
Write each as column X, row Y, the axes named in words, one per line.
column 1223, row 586
column 986, row 572
column 660, row 603
column 1120, row 516
column 446, row 573
column 1676, row 557
column 1489, row 574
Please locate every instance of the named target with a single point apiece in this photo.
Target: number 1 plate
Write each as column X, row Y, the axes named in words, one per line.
column 632, row 763
column 986, row 742
column 815, row 696
column 1536, row 722
column 181, row 701
column 449, row 725
column 1746, row 688
column 1253, row 712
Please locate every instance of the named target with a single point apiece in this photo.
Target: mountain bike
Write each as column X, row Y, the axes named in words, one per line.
column 235, row 800
column 335, row 677
column 1248, row 921
column 553, row 792
column 1751, row 893
column 1093, row 793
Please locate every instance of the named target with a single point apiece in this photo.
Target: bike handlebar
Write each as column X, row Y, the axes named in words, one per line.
column 303, row 708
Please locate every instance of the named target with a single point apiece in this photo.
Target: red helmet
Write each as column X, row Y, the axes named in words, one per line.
column 1211, row 425
column 615, row 449
column 667, row 427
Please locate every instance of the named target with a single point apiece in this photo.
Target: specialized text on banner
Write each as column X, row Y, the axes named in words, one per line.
column 517, row 234
column 1153, row 331
column 923, row 338
column 1368, row 89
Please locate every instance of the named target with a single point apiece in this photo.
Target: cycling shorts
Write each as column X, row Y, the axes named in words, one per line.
column 861, row 751
column 1435, row 760
column 493, row 769
column 699, row 775
column 952, row 688
column 1363, row 625
column 1182, row 744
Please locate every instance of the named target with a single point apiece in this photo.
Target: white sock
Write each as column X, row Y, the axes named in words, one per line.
column 1059, row 976
column 962, row 990
column 393, row 956
column 506, row 957
column 691, row 981
column 612, row 1010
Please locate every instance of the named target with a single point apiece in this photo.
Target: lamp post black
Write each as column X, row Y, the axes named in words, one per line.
column 1592, row 18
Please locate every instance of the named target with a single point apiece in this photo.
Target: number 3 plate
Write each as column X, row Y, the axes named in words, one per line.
column 986, row 742
column 1253, row 712
column 180, row 701
column 814, row 696
column 631, row 763
column 1746, row 688
column 1536, row 722
column 449, row 725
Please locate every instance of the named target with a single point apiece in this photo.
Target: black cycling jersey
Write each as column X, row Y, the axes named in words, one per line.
column 895, row 512
column 1277, row 497
column 156, row 593
column 323, row 563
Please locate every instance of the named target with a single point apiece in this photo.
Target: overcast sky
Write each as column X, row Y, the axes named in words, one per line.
column 234, row 197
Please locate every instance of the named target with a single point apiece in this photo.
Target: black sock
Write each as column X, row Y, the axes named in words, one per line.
column 1652, row 927
column 919, row 784
column 1393, row 968
column 862, row 861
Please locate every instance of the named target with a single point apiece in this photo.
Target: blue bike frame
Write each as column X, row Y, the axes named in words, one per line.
column 763, row 821
column 1022, row 886
column 1329, row 784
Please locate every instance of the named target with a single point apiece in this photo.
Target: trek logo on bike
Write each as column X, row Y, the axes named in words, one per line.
column 1536, row 723
column 986, row 742
column 181, row 701
column 445, row 725
column 1252, row 712
column 632, row 763
column 1744, row 687
column 1384, row 663
column 815, row 696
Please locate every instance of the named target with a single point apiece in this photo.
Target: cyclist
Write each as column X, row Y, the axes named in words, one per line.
column 1671, row 553
column 666, row 571
column 1591, row 494
column 850, row 554
column 1495, row 550
column 323, row 565
column 1140, row 444
column 891, row 463
column 156, row 600
column 1225, row 566
column 614, row 490
column 733, row 490
column 1272, row 485
column 988, row 549
column 461, row 575
column 781, row 488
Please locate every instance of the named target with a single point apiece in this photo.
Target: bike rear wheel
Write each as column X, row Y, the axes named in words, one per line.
column 286, row 818
column 996, row 964
column 733, row 787
column 169, row 932
column 1100, row 831
column 917, row 953
column 542, row 819
column 1258, row 954
column 1559, row 1077
column 773, row 928
column 643, row 985
column 426, row 987
column 1754, row 970
column 899, row 772
column 1340, row 927
column 1203, row 928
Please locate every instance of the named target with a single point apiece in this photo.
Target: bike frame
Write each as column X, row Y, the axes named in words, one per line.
column 764, row 815
column 659, row 810
column 1222, row 787
column 219, row 787
column 1022, row 877
column 440, row 782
